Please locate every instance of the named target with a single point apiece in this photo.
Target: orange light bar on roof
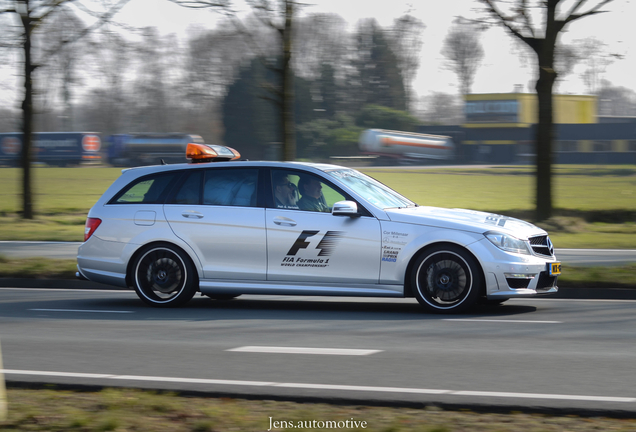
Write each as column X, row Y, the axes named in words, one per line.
column 210, row 153
column 200, row 151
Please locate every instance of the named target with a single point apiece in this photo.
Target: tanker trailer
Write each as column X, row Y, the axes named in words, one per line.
column 406, row 146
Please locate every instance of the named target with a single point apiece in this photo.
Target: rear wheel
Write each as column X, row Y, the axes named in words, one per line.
column 163, row 276
column 446, row 279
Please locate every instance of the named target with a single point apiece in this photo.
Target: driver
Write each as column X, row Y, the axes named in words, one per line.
column 312, row 198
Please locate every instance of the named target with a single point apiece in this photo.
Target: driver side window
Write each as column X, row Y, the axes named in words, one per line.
column 300, row 191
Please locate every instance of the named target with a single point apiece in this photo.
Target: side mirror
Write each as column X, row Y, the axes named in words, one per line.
column 345, row 208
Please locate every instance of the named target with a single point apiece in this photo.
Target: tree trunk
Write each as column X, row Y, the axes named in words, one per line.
column 544, row 145
column 27, row 119
column 289, row 136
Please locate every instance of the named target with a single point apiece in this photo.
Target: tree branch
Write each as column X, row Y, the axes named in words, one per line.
column 572, row 16
column 492, row 8
column 103, row 19
column 202, row 4
column 526, row 17
column 50, row 7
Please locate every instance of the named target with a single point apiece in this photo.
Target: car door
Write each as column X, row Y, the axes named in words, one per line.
column 306, row 243
column 215, row 211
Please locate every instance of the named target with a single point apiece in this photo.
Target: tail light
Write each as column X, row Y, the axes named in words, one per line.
column 90, row 227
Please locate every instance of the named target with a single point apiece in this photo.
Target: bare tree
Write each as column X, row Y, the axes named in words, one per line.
column 30, row 15
column 565, row 59
column 595, row 57
column 406, row 39
column 441, row 109
column 320, row 39
column 278, row 16
column 114, row 55
column 518, row 19
column 55, row 79
column 463, row 53
column 616, row 101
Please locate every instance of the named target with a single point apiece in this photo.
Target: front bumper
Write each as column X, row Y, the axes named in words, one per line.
column 511, row 275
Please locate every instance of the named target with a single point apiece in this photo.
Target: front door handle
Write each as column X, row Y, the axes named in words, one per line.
column 192, row 215
column 280, row 220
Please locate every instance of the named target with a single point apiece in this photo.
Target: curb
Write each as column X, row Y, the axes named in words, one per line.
column 564, row 293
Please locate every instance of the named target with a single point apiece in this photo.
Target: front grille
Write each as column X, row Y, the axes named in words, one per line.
column 546, row 281
column 541, row 245
column 517, row 283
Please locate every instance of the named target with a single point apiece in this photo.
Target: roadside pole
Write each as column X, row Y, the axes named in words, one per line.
column 3, row 393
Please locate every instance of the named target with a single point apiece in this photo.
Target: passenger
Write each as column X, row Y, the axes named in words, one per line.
column 312, row 198
column 285, row 192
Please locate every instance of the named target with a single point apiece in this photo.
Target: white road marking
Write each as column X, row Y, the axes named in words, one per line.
column 547, row 396
column 501, row 321
column 300, row 350
column 80, row 310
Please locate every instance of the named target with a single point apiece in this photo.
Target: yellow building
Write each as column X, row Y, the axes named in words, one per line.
column 500, row 128
column 503, row 110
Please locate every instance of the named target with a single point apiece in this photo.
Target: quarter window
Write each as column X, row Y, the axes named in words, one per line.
column 146, row 190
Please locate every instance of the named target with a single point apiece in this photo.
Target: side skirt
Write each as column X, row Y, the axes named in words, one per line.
column 208, row 286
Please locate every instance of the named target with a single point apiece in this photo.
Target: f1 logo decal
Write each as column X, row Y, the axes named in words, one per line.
column 325, row 246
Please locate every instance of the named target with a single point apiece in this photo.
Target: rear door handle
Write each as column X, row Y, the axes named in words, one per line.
column 280, row 220
column 192, row 215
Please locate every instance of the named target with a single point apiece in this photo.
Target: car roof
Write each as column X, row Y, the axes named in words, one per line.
column 141, row 170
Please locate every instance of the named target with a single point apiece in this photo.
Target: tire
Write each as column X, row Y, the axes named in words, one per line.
column 446, row 279
column 222, row 296
column 163, row 276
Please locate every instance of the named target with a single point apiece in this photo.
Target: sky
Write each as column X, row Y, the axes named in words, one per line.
column 501, row 69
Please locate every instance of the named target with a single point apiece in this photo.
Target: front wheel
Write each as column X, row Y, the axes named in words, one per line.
column 446, row 279
column 163, row 276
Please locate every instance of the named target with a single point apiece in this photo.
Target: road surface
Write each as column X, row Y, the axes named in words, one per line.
column 533, row 353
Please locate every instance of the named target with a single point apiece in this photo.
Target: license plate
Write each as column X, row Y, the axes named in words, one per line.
column 554, row 268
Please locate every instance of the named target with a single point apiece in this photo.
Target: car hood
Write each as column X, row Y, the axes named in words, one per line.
column 466, row 220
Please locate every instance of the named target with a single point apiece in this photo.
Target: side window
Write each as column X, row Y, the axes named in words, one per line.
column 303, row 192
column 230, row 187
column 190, row 191
column 146, row 190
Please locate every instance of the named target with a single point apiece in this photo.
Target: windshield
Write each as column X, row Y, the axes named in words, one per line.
column 371, row 190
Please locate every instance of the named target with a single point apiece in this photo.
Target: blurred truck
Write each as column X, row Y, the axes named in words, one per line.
column 52, row 148
column 404, row 147
column 149, row 149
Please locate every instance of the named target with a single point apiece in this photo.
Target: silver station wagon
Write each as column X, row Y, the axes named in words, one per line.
column 239, row 227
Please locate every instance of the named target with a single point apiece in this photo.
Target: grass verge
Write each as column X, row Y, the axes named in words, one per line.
column 37, row 268
column 572, row 277
column 135, row 410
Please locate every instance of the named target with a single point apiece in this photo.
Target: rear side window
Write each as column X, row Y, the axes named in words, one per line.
column 230, row 187
column 190, row 190
column 146, row 190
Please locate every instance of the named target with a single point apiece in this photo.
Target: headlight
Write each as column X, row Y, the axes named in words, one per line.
column 507, row 243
